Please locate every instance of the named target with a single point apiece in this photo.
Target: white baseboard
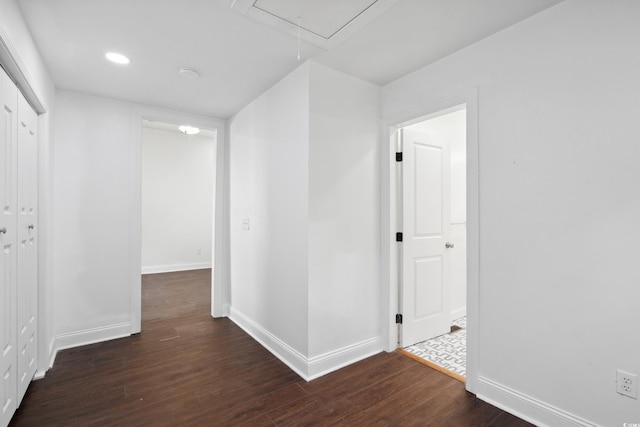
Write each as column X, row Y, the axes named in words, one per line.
column 456, row 314
column 526, row 407
column 52, row 352
column 88, row 336
column 288, row 355
column 226, row 310
column 168, row 268
column 52, row 356
column 307, row 368
column 334, row 360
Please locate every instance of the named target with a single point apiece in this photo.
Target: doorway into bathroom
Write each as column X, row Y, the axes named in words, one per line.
column 432, row 189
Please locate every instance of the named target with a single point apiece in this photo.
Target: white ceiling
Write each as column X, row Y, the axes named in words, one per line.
column 316, row 19
column 237, row 57
column 324, row 23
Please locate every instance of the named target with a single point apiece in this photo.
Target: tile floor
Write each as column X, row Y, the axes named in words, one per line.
column 448, row 351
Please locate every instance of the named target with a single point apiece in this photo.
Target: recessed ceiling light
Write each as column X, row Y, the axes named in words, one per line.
column 117, row 58
column 188, row 73
column 189, row 130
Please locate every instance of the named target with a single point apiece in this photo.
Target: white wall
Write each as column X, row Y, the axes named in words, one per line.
column 178, row 173
column 93, row 209
column 97, row 216
column 12, row 25
column 28, row 62
column 269, row 187
column 451, row 128
column 558, row 208
column 344, row 220
column 304, row 160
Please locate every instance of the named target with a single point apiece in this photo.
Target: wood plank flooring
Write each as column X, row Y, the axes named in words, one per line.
column 187, row 369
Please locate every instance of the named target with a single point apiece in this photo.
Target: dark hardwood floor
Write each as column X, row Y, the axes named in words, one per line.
column 187, row 369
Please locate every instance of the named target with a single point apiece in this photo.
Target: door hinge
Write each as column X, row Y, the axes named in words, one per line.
column 399, row 319
column 399, row 156
column 398, row 237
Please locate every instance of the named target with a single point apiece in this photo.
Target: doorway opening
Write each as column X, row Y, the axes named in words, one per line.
column 219, row 274
column 178, row 198
column 432, row 211
column 178, row 176
column 466, row 99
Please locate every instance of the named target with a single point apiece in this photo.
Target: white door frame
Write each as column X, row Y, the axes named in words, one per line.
column 219, row 283
column 390, row 209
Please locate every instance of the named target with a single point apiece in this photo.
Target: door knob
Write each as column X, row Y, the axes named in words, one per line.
column 3, row 230
column 448, row 245
column 30, row 227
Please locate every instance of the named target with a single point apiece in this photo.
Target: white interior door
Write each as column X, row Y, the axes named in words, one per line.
column 426, row 234
column 8, row 224
column 27, row 244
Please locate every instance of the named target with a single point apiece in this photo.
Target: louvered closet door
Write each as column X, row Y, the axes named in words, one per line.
column 8, row 254
column 27, row 244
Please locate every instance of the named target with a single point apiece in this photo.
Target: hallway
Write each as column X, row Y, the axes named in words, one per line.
column 186, row 369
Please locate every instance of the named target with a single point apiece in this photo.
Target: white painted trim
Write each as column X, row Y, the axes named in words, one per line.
column 389, row 262
column 288, row 355
column 526, row 407
column 220, row 279
column 17, row 70
column 221, row 287
column 168, row 268
column 456, row 314
column 41, row 372
column 226, row 310
column 45, row 245
column 52, row 352
column 336, row 359
column 84, row 337
column 135, row 234
column 89, row 336
column 307, row 368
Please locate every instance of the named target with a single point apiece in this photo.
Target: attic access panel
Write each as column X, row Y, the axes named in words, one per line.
column 323, row 18
column 324, row 23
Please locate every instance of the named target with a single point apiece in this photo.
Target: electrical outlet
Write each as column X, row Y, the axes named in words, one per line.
column 627, row 384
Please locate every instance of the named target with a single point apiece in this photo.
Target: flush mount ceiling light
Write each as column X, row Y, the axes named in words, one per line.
column 117, row 58
column 189, row 130
column 188, row 73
